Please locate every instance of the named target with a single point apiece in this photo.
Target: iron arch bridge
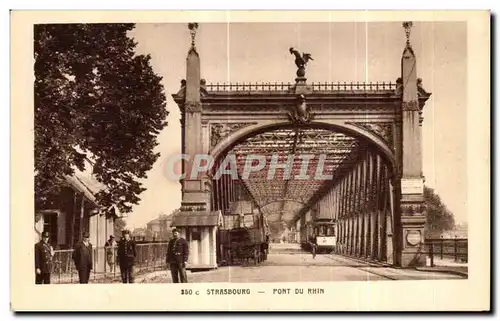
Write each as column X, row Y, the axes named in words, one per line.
column 343, row 154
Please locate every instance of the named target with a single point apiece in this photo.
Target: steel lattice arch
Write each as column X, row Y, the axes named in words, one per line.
column 362, row 145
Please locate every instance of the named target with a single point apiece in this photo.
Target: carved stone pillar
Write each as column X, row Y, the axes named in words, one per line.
column 409, row 224
column 195, row 193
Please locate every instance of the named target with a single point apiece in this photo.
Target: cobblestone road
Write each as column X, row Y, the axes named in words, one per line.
column 288, row 265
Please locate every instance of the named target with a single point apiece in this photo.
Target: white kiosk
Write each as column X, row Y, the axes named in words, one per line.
column 199, row 228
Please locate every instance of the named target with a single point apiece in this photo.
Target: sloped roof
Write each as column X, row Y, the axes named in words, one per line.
column 155, row 221
column 161, row 219
column 81, row 187
column 89, row 180
column 86, row 183
column 197, row 218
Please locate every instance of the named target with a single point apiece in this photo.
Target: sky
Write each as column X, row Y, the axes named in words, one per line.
column 342, row 51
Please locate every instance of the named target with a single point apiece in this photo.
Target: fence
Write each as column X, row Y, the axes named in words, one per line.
column 357, row 86
column 453, row 248
column 249, row 87
column 316, row 86
column 150, row 257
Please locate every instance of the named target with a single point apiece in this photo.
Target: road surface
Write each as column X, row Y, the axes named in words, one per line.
column 287, row 263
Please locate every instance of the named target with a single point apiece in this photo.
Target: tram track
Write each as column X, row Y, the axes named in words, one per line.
column 342, row 262
column 364, row 270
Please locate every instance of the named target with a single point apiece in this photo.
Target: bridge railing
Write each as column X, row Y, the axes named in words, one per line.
column 276, row 86
column 316, row 86
column 354, row 86
column 455, row 249
column 150, row 257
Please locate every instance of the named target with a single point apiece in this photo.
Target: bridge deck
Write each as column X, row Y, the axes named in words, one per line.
column 287, row 263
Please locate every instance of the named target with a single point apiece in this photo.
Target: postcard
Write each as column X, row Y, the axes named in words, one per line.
column 250, row 161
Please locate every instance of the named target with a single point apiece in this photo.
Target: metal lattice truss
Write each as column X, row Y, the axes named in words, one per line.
column 298, row 162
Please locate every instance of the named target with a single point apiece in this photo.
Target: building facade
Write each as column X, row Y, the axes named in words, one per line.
column 160, row 228
column 73, row 212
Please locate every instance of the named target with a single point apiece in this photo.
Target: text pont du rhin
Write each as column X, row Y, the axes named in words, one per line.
column 299, row 291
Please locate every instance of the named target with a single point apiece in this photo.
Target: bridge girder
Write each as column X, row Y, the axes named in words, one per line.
column 278, row 145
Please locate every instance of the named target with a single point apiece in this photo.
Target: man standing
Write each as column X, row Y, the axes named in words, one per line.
column 110, row 247
column 43, row 260
column 82, row 256
column 126, row 257
column 177, row 257
column 314, row 246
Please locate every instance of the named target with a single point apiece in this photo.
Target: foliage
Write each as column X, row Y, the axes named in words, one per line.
column 119, row 226
column 439, row 218
column 94, row 98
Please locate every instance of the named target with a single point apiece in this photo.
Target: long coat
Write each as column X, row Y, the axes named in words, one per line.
column 43, row 257
column 82, row 256
column 126, row 253
column 177, row 251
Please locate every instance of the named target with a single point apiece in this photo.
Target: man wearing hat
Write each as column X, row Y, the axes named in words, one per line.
column 43, row 260
column 82, row 256
column 177, row 257
column 126, row 257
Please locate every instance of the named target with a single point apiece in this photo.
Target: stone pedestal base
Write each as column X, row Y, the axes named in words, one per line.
column 195, row 195
column 413, row 259
column 413, row 252
column 301, row 86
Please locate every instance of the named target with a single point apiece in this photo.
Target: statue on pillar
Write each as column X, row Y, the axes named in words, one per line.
column 192, row 26
column 407, row 25
column 300, row 61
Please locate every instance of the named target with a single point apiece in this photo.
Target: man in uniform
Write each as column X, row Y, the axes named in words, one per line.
column 82, row 256
column 177, row 257
column 126, row 257
column 43, row 260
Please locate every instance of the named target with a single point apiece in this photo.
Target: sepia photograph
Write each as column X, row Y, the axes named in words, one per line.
column 255, row 159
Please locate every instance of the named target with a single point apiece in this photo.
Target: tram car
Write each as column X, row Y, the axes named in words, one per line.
column 244, row 238
column 322, row 232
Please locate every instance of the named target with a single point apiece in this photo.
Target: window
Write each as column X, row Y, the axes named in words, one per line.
column 321, row 230
column 50, row 225
column 195, row 234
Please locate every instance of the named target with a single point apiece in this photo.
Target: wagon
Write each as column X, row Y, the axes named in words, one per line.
column 244, row 244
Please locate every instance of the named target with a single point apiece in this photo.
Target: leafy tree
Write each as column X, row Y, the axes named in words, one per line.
column 95, row 99
column 119, row 226
column 439, row 218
